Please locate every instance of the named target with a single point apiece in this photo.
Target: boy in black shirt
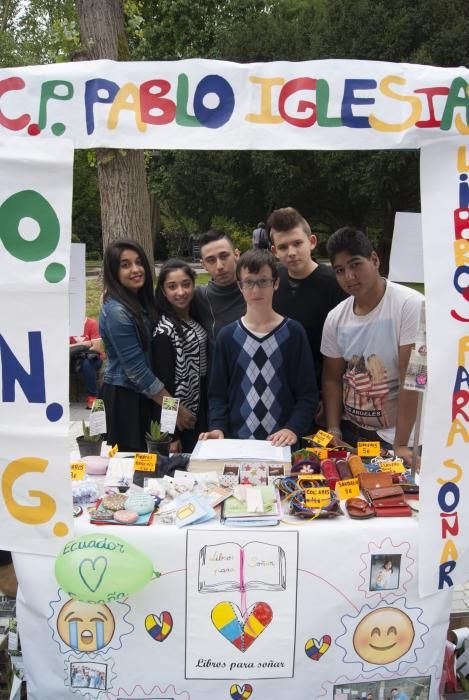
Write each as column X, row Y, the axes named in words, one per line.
column 308, row 290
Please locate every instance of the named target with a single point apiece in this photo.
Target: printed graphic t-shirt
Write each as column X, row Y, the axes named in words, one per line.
column 370, row 347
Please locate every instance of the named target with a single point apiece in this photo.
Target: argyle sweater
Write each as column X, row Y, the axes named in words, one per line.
column 260, row 385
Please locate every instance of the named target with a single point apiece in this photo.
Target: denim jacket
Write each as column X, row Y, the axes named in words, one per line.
column 127, row 364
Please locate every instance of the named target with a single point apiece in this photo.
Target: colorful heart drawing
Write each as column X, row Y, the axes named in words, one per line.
column 238, row 693
column 92, row 571
column 241, row 630
column 315, row 649
column 159, row 627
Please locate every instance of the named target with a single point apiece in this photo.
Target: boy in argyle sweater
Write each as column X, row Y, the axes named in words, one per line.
column 262, row 384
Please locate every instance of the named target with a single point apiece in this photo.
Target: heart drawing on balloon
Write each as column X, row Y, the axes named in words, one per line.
column 92, row 571
column 241, row 630
column 240, row 693
column 315, row 649
column 159, row 626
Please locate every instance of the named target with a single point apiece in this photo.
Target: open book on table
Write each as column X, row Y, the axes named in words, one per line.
column 229, row 566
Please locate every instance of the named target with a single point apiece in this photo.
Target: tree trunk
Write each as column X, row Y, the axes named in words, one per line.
column 125, row 204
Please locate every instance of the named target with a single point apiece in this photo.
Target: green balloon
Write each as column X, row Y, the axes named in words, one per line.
column 101, row 569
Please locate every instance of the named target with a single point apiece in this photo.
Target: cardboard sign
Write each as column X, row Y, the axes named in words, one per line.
column 349, row 488
column 368, row 449
column 317, row 497
column 322, row 438
column 145, row 462
column 77, row 471
column 393, row 467
column 318, row 451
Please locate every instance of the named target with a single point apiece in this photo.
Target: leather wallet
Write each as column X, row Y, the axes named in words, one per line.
column 375, row 480
column 330, row 472
column 386, row 492
column 392, row 508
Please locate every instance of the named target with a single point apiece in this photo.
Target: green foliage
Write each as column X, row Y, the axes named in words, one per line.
column 176, row 233
column 155, row 434
column 241, row 236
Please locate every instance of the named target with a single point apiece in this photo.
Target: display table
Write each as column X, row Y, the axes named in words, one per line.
column 327, row 609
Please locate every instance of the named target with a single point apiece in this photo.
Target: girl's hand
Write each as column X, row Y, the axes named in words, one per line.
column 175, row 446
column 185, row 419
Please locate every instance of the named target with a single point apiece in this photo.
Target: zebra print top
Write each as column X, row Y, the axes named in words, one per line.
column 189, row 350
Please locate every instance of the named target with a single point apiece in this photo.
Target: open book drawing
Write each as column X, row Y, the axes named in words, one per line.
column 228, row 566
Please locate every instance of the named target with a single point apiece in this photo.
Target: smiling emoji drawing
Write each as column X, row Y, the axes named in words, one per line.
column 85, row 626
column 383, row 636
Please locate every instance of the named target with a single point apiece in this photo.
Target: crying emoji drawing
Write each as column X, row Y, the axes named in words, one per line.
column 85, row 627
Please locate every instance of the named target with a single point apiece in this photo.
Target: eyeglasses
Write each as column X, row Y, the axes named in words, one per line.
column 262, row 283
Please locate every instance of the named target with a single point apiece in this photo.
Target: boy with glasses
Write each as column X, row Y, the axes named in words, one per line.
column 262, row 384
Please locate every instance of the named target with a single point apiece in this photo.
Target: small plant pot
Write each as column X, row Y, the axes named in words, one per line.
column 159, row 448
column 89, row 448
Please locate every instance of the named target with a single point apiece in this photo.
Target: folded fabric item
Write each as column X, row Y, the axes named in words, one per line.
column 330, row 472
column 343, row 469
column 358, row 509
column 356, row 465
column 374, row 480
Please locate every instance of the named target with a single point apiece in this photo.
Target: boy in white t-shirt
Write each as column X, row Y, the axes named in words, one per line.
column 366, row 343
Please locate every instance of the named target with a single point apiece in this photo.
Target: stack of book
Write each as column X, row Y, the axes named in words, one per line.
column 211, row 455
column 260, row 507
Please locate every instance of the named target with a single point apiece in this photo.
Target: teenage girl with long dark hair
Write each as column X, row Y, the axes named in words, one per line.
column 127, row 316
column 179, row 345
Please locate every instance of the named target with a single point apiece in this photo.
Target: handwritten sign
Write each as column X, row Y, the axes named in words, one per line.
column 77, row 471
column 394, row 467
column 145, row 462
column 318, row 451
column 317, row 497
column 349, row 488
column 368, row 449
column 322, row 438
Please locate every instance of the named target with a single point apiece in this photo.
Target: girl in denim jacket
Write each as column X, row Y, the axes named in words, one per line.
column 125, row 322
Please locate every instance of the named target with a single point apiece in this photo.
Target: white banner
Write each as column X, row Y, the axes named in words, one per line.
column 444, row 531
column 203, row 104
column 35, row 208
column 319, row 620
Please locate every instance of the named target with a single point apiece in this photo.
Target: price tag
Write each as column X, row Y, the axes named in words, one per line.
column 77, row 471
column 322, row 438
column 368, row 449
column 393, row 467
column 317, row 497
column 308, row 478
column 349, row 488
column 145, row 462
column 320, row 452
column 113, row 451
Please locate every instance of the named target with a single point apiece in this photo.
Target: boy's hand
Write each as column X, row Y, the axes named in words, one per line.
column 283, row 437
column 212, row 435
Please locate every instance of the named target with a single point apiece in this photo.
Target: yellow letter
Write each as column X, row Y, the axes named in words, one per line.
column 414, row 102
column 120, row 102
column 451, row 464
column 463, row 163
column 265, row 116
column 457, row 427
column 449, row 553
column 31, row 515
column 461, row 252
column 463, row 348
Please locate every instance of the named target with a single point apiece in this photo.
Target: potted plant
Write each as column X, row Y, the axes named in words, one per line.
column 89, row 445
column 157, row 442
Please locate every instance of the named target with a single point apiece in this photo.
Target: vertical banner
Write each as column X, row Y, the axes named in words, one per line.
column 35, row 217
column 444, row 479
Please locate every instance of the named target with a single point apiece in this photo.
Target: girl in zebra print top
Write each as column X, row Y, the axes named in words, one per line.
column 179, row 346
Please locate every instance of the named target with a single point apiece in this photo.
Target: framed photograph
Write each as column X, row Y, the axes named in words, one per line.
column 88, row 674
column 385, row 572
